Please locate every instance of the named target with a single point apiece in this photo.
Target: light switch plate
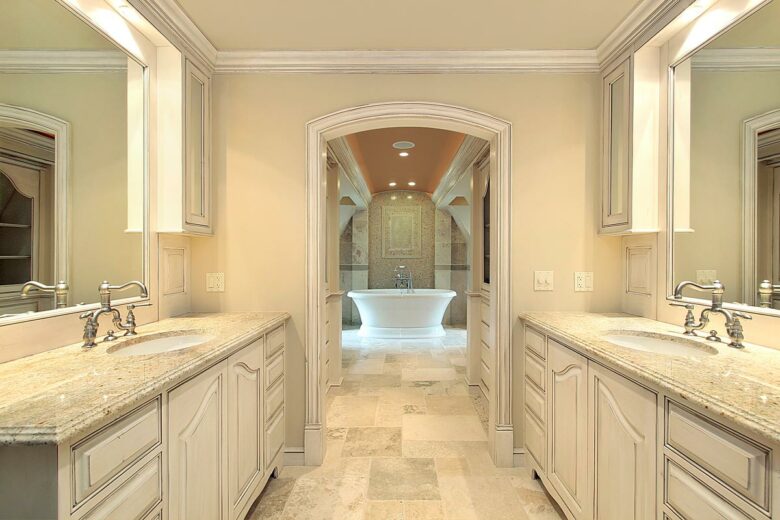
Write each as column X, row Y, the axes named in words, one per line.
column 215, row 282
column 583, row 282
column 706, row 276
column 544, row 281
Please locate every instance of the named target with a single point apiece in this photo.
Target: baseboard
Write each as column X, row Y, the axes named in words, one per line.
column 341, row 380
column 293, row 456
column 518, row 457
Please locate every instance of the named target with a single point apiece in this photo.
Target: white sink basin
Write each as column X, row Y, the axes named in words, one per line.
column 664, row 345
column 159, row 344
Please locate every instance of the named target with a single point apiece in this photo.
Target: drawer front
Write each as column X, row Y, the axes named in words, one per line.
column 534, row 370
column 534, row 401
column 535, row 440
column 484, row 313
column 274, row 438
column 535, row 341
column 487, row 337
column 135, row 498
column 274, row 369
column 274, row 399
column 274, row 341
column 103, row 455
column 692, row 500
column 738, row 462
column 485, row 355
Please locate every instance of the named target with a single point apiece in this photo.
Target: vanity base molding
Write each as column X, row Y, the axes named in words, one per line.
column 202, row 449
column 609, row 445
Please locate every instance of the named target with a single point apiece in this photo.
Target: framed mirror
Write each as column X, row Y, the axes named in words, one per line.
column 73, row 168
column 724, row 204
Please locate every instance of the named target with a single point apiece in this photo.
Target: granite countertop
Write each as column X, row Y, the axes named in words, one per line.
column 52, row 397
column 742, row 386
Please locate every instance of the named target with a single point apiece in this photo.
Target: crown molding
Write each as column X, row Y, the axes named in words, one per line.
column 737, row 60
column 407, row 62
column 171, row 20
column 61, row 61
column 467, row 153
column 342, row 153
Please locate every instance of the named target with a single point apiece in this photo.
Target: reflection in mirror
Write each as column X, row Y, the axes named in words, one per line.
column 726, row 125
column 72, row 168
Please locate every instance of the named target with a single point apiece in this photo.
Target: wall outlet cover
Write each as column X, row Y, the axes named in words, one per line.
column 544, row 280
column 583, row 282
column 215, row 282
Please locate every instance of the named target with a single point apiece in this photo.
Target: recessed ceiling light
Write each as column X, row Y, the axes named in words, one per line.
column 403, row 145
column 408, row 196
column 404, row 154
column 393, row 197
column 412, row 183
column 393, row 184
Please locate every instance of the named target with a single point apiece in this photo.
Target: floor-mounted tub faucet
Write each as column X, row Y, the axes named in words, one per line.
column 402, row 276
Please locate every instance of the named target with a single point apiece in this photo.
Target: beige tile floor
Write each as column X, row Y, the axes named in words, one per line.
column 406, row 441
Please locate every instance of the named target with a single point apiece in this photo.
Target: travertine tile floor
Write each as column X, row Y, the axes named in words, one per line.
column 406, row 441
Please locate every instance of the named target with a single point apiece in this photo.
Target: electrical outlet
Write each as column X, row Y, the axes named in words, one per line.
column 215, row 282
column 583, row 282
column 544, row 281
column 706, row 276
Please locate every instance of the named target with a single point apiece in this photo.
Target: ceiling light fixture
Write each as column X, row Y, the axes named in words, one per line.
column 412, row 183
column 393, row 197
column 393, row 184
column 403, row 145
column 404, row 154
column 408, row 196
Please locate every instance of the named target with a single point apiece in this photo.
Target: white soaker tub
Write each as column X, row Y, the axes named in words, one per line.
column 396, row 313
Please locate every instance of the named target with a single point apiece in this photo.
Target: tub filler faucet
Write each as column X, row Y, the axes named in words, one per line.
column 402, row 276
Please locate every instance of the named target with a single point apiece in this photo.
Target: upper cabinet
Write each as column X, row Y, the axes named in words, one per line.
column 185, row 198
column 629, row 202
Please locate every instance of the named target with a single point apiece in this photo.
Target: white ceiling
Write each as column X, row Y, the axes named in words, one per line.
column 406, row 24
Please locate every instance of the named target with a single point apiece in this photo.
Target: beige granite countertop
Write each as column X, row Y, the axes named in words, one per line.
column 742, row 386
column 52, row 397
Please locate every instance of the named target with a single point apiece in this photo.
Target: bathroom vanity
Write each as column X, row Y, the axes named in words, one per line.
column 625, row 417
column 185, row 420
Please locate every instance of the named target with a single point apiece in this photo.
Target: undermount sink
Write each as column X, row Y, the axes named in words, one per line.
column 659, row 344
column 159, row 344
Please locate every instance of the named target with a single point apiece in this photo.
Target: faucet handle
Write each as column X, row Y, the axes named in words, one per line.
column 132, row 306
column 688, row 306
column 743, row 315
column 85, row 315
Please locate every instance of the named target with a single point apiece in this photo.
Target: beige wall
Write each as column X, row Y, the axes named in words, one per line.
column 259, row 164
column 95, row 105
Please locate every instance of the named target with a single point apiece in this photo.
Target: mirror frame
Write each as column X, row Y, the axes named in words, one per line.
column 684, row 47
column 62, row 151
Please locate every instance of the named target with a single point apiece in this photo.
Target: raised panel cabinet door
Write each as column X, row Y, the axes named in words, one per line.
column 624, row 447
column 616, row 184
column 245, row 424
column 567, row 439
column 197, row 447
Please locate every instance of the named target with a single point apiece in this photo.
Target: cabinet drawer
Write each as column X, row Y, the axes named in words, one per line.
column 274, row 399
column 274, row 369
column 735, row 460
column 484, row 315
column 274, row 341
column 534, row 401
column 103, row 455
column 534, row 370
column 692, row 500
column 485, row 355
column 535, row 440
column 135, row 498
column 274, row 438
column 487, row 337
column 535, row 341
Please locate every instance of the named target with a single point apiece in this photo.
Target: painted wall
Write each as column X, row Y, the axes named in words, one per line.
column 259, row 165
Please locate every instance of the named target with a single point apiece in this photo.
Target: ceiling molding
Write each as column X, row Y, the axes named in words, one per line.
column 737, row 60
column 640, row 20
column 170, row 19
column 343, row 155
column 468, row 152
column 407, row 62
column 61, row 61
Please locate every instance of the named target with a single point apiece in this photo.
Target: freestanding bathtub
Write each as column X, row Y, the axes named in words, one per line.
column 396, row 313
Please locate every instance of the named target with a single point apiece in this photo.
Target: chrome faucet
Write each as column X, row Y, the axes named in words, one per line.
column 92, row 325
column 733, row 323
column 402, row 276
column 60, row 291
column 766, row 292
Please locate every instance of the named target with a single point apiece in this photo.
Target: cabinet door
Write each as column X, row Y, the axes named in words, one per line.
column 568, row 427
column 615, row 203
column 197, row 176
column 197, row 447
column 624, row 443
column 245, row 424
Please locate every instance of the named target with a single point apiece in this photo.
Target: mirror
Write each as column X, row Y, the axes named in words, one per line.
column 72, row 162
column 726, row 162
